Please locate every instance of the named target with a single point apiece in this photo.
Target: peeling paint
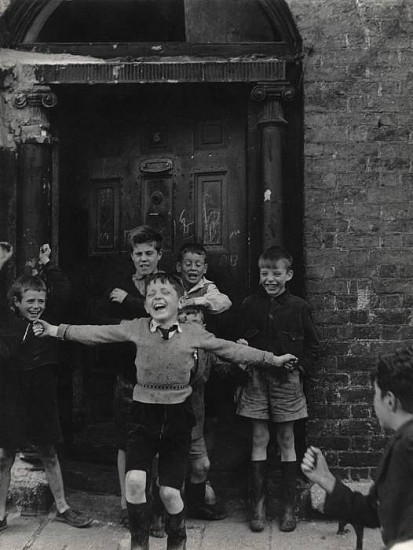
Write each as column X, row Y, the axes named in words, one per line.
column 267, row 195
column 11, row 58
column 116, row 70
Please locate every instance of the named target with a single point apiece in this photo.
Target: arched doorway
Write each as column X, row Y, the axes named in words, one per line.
column 189, row 119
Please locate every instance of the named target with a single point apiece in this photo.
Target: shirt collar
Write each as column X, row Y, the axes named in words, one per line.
column 153, row 325
column 203, row 281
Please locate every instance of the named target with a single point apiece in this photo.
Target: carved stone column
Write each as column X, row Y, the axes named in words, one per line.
column 272, row 124
column 34, row 187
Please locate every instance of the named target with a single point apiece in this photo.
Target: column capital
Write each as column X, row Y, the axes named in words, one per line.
column 39, row 96
column 31, row 115
column 273, row 90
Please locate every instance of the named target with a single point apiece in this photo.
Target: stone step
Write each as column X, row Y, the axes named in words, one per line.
column 31, row 495
column 29, row 490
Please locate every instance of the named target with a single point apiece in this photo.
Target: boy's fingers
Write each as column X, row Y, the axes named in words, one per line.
column 38, row 328
column 306, row 469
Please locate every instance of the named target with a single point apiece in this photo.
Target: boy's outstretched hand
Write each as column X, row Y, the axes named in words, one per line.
column 315, row 467
column 287, row 361
column 42, row 329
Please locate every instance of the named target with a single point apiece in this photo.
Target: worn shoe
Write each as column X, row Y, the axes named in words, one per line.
column 73, row 518
column 157, row 528
column 288, row 521
column 210, row 512
column 3, row 524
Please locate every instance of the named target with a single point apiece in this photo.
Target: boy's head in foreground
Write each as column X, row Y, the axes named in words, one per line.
column 393, row 388
column 275, row 267
column 145, row 246
column 191, row 264
column 27, row 297
column 163, row 291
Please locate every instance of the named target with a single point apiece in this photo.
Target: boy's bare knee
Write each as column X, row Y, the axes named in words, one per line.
column 168, row 494
column 285, row 438
column 135, row 485
column 260, row 435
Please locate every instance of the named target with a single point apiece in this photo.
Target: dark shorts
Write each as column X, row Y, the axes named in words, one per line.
column 122, row 406
column 162, row 429
column 28, row 408
column 278, row 397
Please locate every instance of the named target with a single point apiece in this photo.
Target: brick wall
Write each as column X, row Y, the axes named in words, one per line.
column 358, row 209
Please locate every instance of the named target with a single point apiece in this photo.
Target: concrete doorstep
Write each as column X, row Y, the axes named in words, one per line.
column 29, row 490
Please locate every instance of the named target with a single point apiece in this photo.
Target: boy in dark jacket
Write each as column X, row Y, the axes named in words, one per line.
column 389, row 504
column 28, row 401
column 275, row 320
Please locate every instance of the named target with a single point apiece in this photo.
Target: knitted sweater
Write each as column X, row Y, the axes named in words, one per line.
column 163, row 367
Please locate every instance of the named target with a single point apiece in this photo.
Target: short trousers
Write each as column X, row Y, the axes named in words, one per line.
column 162, row 429
column 28, row 407
column 278, row 397
column 198, row 449
column 122, row 404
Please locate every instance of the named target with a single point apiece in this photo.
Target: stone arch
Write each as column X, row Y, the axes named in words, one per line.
column 217, row 21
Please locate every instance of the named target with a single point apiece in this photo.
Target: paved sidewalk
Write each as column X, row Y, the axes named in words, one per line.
column 43, row 533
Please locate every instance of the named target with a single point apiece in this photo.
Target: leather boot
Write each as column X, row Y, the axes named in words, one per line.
column 158, row 513
column 288, row 520
column 139, row 521
column 257, row 495
column 176, row 531
column 197, row 508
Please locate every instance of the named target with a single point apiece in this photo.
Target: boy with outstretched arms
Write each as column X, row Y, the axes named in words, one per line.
column 125, row 299
column 28, row 400
column 273, row 319
column 161, row 418
column 389, row 503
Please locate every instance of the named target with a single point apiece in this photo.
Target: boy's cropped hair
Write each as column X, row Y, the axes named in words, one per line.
column 23, row 283
column 394, row 373
column 144, row 234
column 164, row 277
column 194, row 248
column 274, row 254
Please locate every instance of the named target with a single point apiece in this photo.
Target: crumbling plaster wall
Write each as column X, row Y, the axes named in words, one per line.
column 18, row 74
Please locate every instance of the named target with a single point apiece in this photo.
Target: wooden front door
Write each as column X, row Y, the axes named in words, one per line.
column 173, row 158
column 170, row 156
